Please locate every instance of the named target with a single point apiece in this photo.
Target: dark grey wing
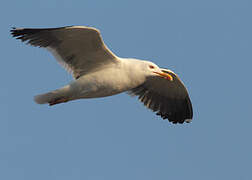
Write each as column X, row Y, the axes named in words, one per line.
column 79, row 49
column 169, row 99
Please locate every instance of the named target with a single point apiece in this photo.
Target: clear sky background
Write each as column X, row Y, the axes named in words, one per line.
column 207, row 43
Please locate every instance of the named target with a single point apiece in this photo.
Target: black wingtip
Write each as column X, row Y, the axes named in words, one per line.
column 12, row 30
column 183, row 114
column 16, row 32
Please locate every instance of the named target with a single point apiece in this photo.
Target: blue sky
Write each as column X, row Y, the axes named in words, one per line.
column 207, row 43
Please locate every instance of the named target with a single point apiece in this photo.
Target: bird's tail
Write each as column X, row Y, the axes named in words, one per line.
column 45, row 98
column 53, row 97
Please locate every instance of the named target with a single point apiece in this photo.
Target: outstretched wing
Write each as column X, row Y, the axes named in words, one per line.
column 79, row 49
column 169, row 99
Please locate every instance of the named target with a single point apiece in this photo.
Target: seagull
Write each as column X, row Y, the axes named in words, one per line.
column 98, row 72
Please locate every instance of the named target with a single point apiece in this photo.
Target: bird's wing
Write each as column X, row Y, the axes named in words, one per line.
column 169, row 99
column 79, row 49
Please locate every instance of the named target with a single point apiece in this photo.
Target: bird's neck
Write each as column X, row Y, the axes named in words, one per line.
column 132, row 69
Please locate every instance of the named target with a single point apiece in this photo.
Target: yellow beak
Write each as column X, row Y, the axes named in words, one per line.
column 165, row 75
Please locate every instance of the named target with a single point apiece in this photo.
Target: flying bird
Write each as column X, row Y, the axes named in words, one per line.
column 98, row 72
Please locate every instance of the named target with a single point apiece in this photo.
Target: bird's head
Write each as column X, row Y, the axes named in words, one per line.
column 153, row 70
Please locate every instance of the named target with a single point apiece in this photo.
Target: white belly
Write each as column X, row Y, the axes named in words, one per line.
column 102, row 83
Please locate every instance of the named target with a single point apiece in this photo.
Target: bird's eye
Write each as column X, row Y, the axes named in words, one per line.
column 151, row 67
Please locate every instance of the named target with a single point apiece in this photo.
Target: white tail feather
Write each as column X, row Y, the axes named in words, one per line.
column 45, row 98
column 52, row 96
